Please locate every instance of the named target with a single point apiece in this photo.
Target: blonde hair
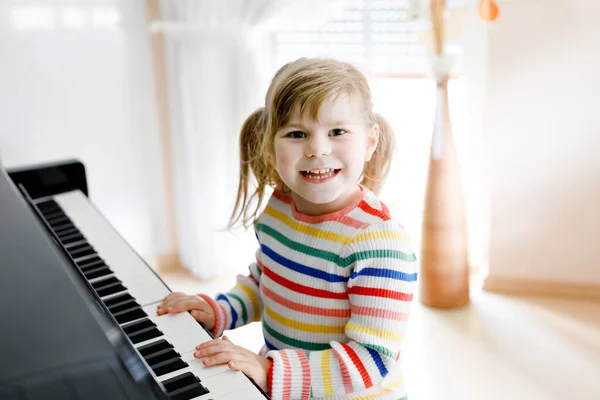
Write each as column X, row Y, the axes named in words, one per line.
column 302, row 85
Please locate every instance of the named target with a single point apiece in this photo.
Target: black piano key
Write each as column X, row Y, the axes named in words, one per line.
column 154, row 347
column 62, row 226
column 110, row 289
column 145, row 334
column 105, row 282
column 179, row 381
column 170, row 365
column 53, row 214
column 76, row 246
column 59, row 220
column 48, row 205
column 114, row 301
column 82, row 252
column 66, row 232
column 90, row 262
column 97, row 272
column 74, row 237
column 183, row 387
column 161, row 355
column 125, row 305
column 129, row 315
column 138, row 325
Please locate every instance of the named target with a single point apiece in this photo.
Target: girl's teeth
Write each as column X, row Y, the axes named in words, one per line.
column 320, row 174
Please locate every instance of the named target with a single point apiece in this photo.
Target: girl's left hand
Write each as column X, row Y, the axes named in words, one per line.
column 223, row 351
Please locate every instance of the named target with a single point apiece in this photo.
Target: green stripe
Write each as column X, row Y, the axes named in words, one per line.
column 259, row 270
column 326, row 255
column 382, row 350
column 333, row 257
column 244, row 311
column 294, row 342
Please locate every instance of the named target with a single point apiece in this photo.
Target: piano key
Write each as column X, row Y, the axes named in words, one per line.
column 178, row 325
column 94, row 273
column 141, row 282
column 154, row 347
column 184, row 386
column 130, row 314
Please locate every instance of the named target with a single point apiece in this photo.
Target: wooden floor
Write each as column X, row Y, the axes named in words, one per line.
column 498, row 347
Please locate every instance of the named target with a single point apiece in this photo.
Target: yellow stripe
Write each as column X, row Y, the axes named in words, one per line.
column 374, row 332
column 396, row 384
column 301, row 325
column 307, row 230
column 253, row 299
column 326, row 372
column 380, row 235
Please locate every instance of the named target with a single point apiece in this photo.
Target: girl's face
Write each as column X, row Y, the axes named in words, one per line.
column 321, row 161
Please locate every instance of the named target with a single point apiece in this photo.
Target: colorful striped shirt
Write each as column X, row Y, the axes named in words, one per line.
column 333, row 294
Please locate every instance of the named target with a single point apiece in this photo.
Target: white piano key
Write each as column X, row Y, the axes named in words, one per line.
column 141, row 282
column 225, row 383
column 177, row 325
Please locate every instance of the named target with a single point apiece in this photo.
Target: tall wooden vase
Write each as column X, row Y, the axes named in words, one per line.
column 444, row 275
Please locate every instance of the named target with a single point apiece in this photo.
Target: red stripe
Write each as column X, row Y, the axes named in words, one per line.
column 381, row 313
column 385, row 210
column 287, row 376
column 388, row 294
column 344, row 371
column 304, row 363
column 328, row 312
column 370, row 210
column 359, row 365
column 301, row 288
column 353, row 222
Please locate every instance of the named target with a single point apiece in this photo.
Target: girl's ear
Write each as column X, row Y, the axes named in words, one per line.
column 372, row 141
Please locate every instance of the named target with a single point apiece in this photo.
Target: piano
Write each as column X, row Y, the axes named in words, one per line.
column 79, row 305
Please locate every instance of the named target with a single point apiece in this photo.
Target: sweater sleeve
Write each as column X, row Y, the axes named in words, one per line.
column 380, row 289
column 240, row 305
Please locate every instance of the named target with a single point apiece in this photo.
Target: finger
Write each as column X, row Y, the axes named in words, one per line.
column 183, row 304
column 223, row 358
column 214, row 342
column 172, row 299
column 227, row 338
column 209, row 351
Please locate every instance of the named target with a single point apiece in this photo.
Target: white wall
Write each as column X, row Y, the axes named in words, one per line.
column 543, row 126
column 88, row 94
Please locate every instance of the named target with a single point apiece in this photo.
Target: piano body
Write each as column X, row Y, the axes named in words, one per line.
column 79, row 305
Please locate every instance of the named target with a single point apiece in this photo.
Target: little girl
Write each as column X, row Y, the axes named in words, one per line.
column 334, row 275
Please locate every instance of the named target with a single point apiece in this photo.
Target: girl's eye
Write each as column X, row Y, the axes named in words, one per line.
column 337, row 132
column 296, row 135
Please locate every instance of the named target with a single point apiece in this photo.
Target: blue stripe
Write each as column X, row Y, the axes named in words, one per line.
column 234, row 315
column 303, row 269
column 385, row 273
column 269, row 345
column 378, row 361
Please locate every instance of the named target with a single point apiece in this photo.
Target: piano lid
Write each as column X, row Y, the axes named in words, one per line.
column 52, row 341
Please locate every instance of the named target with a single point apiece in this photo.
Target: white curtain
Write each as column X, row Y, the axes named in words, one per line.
column 219, row 66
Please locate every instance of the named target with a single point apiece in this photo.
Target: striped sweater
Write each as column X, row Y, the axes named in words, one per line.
column 333, row 294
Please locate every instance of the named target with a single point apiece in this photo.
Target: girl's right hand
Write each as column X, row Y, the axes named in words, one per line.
column 177, row 302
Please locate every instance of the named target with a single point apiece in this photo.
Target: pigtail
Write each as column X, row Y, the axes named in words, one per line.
column 251, row 164
column 377, row 168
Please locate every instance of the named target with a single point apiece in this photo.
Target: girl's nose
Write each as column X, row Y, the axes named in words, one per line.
column 317, row 146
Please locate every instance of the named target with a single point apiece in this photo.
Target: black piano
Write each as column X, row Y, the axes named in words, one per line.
column 79, row 305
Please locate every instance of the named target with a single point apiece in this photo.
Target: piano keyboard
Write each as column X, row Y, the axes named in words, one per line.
column 131, row 291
